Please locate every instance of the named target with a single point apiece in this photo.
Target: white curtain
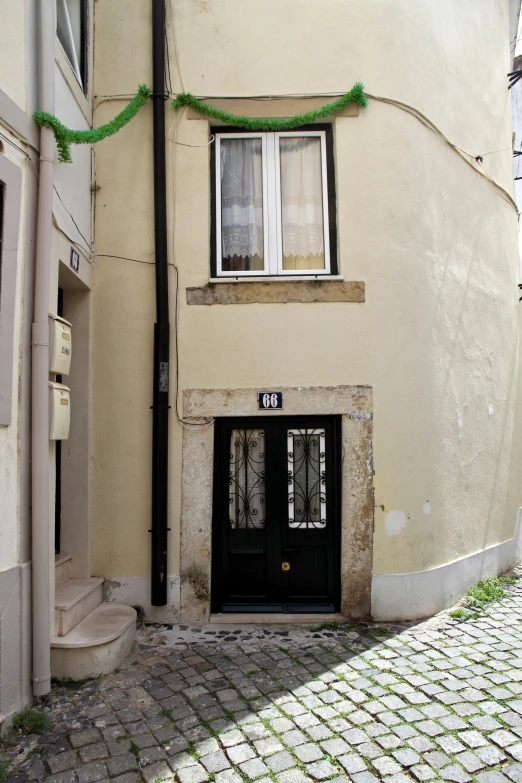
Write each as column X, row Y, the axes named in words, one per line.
column 302, row 202
column 242, row 204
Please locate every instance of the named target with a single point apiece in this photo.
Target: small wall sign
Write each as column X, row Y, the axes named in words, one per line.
column 74, row 261
column 269, row 400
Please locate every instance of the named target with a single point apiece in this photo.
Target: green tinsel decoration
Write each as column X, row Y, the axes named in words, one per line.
column 65, row 136
column 356, row 95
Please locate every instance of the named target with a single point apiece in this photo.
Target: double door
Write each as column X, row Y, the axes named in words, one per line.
column 276, row 515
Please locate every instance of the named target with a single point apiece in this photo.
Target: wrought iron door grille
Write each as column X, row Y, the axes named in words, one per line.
column 306, row 478
column 247, row 479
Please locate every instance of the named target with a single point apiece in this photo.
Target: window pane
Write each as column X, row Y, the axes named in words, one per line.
column 306, row 478
column 75, row 18
column 63, row 31
column 302, row 202
column 69, row 29
column 242, row 205
column 247, row 479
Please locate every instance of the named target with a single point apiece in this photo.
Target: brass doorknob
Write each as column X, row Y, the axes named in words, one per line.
column 285, row 566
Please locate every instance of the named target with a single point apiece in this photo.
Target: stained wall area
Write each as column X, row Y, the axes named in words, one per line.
column 433, row 244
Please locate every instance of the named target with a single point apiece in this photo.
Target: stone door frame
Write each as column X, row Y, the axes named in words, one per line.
column 355, row 405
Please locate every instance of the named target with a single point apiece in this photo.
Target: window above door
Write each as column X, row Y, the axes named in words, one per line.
column 273, row 211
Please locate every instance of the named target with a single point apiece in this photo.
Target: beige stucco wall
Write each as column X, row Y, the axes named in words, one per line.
column 13, row 51
column 14, row 573
column 435, row 244
column 10, row 434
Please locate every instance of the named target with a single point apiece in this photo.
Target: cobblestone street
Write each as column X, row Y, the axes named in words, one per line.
column 439, row 700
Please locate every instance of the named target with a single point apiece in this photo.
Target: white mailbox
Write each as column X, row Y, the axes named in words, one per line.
column 60, row 345
column 60, row 411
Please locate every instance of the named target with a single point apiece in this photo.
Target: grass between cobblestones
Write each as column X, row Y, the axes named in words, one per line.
column 435, row 701
column 483, row 593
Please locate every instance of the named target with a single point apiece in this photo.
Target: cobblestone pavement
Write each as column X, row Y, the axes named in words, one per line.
column 439, row 700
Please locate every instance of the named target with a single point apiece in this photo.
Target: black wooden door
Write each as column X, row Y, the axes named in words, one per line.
column 276, row 517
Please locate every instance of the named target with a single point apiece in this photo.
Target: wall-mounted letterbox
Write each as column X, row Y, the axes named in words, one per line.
column 60, row 411
column 60, row 345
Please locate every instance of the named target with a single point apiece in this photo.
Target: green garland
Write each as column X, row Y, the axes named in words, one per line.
column 65, row 136
column 356, row 95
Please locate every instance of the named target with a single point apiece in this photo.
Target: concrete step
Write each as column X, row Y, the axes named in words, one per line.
column 74, row 600
column 62, row 569
column 97, row 645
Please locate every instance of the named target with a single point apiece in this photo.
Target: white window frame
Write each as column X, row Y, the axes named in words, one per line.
column 272, row 207
column 219, row 247
column 279, row 212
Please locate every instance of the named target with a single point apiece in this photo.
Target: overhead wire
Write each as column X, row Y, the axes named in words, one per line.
column 176, row 51
column 72, row 218
column 466, row 156
column 24, row 152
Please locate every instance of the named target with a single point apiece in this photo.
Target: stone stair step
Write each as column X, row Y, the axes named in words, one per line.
column 97, row 645
column 62, row 568
column 74, row 600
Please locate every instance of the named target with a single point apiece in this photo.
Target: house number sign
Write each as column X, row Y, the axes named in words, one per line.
column 269, row 400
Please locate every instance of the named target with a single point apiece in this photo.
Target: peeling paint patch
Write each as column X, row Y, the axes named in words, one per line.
column 460, row 419
column 394, row 522
column 427, row 508
column 491, row 410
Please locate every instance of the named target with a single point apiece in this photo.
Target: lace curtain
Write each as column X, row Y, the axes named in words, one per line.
column 242, row 204
column 302, row 203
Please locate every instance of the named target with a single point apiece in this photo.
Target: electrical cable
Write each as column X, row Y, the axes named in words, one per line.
column 189, row 425
column 24, row 152
column 19, row 137
column 424, row 120
column 72, row 218
column 176, row 52
column 72, row 241
column 127, row 258
column 168, row 80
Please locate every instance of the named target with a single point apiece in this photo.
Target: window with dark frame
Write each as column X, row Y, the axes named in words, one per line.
column 71, row 28
column 273, row 203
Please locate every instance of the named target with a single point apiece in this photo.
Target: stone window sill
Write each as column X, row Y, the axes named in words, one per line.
column 277, row 291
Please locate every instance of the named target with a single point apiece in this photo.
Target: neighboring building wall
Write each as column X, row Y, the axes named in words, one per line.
column 435, row 244
column 19, row 179
column 18, row 168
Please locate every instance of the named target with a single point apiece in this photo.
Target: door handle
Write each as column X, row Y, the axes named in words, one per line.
column 290, row 549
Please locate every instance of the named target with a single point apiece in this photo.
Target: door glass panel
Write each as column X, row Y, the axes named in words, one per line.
column 247, row 479
column 306, row 478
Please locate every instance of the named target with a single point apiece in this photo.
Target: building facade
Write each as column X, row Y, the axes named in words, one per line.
column 344, row 345
column 402, row 335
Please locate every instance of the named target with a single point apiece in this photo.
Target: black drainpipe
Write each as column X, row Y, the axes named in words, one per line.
column 160, row 396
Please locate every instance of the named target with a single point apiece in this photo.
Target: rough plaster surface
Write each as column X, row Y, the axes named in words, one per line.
column 421, row 594
column 135, row 591
column 355, row 404
column 276, row 292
